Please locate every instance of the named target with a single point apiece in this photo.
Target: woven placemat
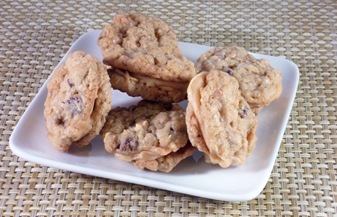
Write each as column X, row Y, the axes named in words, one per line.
column 34, row 35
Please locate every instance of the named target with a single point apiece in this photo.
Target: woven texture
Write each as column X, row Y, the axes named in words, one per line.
column 34, row 35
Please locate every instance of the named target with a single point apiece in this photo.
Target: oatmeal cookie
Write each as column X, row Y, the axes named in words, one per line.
column 77, row 102
column 145, row 132
column 219, row 121
column 145, row 49
column 260, row 84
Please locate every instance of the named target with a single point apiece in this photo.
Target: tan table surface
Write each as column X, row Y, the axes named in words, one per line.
column 34, row 35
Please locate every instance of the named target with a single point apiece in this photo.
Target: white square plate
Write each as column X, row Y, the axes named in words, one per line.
column 192, row 176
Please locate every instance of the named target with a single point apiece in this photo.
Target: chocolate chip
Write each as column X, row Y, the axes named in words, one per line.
column 158, row 34
column 244, row 112
column 129, row 144
column 60, row 121
column 156, row 60
column 123, row 33
column 74, row 105
column 172, row 131
column 228, row 70
column 138, row 43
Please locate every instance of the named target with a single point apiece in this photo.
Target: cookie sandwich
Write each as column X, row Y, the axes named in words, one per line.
column 77, row 102
column 144, row 58
column 259, row 82
column 220, row 123
column 150, row 135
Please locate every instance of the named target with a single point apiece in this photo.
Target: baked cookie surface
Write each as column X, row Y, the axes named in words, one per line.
column 77, row 102
column 219, row 121
column 145, row 131
column 260, row 84
column 144, row 45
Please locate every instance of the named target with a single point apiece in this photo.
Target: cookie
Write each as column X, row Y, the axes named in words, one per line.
column 168, row 162
column 220, row 123
column 77, row 102
column 260, row 84
column 145, row 131
column 146, row 50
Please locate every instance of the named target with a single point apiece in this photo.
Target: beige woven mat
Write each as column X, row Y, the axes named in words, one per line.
column 34, row 35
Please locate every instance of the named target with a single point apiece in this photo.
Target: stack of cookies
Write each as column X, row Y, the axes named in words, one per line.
column 226, row 89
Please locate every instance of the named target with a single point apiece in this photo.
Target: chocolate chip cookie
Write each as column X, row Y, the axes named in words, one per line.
column 145, row 132
column 219, row 121
column 145, row 58
column 260, row 83
column 77, row 102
